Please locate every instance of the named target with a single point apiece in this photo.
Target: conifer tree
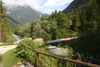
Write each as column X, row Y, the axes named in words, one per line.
column 51, row 16
column 46, row 17
column 42, row 18
column 5, row 29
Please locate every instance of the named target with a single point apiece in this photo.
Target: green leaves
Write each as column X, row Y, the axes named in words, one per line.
column 6, row 34
column 25, row 30
column 88, row 45
column 44, row 61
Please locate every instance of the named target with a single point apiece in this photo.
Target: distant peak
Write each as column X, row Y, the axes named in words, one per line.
column 12, row 6
column 15, row 5
column 24, row 4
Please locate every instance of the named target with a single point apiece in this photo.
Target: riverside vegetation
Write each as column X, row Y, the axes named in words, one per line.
column 79, row 20
column 82, row 19
column 44, row 61
column 6, row 31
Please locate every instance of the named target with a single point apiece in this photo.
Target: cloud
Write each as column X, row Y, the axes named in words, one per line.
column 38, row 7
column 48, row 10
column 8, row 1
column 46, row 6
column 29, row 2
column 52, row 3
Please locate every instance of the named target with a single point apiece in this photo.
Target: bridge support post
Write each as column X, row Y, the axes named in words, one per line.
column 56, row 37
column 66, row 38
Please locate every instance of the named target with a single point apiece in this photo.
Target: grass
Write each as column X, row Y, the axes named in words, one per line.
column 5, row 44
column 9, row 59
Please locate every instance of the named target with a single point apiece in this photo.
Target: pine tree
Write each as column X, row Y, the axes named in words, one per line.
column 5, row 29
column 94, row 25
column 61, row 19
column 46, row 17
column 42, row 18
column 0, row 20
column 51, row 17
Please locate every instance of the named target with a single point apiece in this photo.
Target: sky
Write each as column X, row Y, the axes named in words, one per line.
column 45, row 6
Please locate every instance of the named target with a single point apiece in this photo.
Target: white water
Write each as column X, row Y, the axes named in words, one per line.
column 16, row 36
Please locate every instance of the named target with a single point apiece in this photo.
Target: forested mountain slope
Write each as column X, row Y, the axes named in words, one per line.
column 86, row 16
column 21, row 14
column 75, row 4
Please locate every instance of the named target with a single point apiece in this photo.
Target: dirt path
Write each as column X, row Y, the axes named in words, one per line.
column 4, row 49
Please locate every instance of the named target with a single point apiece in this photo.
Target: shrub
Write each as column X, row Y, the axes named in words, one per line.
column 88, row 46
column 44, row 61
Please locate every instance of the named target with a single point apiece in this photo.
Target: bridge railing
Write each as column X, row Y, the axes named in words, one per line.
column 66, row 59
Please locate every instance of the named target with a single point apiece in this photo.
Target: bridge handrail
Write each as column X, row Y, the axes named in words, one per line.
column 70, row 60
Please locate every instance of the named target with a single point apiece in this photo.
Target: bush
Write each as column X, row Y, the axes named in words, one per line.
column 11, row 39
column 44, row 61
column 88, row 46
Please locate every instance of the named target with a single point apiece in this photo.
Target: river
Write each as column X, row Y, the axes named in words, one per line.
column 53, row 49
column 16, row 37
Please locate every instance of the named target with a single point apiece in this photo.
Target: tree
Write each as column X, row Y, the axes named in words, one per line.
column 0, row 18
column 5, row 29
column 25, row 30
column 61, row 20
column 76, row 22
column 94, row 25
column 42, row 18
column 46, row 17
column 32, row 24
column 87, row 45
column 39, row 32
column 51, row 17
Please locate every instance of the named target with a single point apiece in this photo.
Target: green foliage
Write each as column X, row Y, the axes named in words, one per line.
column 75, row 4
column 5, row 29
column 24, row 14
column 94, row 25
column 38, row 30
column 87, row 45
column 85, row 17
column 12, row 24
column 44, row 61
column 50, row 27
column 46, row 17
column 4, row 44
column 25, row 30
column 42, row 18
column 16, row 30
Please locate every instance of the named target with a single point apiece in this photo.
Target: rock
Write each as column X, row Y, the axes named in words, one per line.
column 39, row 40
column 19, row 64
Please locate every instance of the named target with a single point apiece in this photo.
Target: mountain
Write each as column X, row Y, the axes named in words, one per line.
column 86, row 17
column 22, row 13
column 13, row 24
column 75, row 4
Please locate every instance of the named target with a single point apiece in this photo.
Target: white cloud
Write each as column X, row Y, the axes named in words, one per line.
column 48, row 10
column 46, row 6
column 38, row 7
column 29, row 2
column 8, row 1
column 33, row 3
column 52, row 3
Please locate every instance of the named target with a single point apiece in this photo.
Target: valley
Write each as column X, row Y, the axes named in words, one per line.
column 79, row 21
